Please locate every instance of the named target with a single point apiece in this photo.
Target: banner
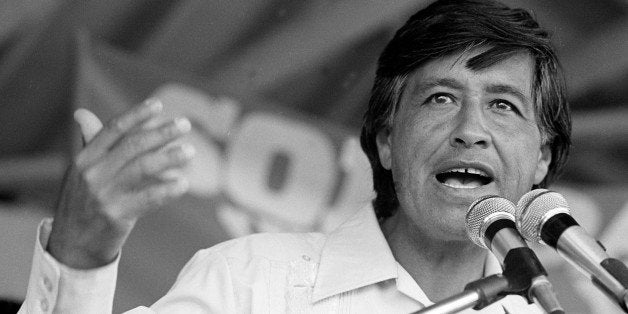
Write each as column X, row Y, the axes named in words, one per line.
column 262, row 167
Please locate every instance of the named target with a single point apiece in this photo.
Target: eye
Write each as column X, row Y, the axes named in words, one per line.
column 503, row 105
column 440, row 99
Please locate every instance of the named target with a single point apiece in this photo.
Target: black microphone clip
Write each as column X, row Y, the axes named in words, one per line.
column 488, row 289
column 521, row 266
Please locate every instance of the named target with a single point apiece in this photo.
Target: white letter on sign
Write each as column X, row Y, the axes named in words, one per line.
column 281, row 168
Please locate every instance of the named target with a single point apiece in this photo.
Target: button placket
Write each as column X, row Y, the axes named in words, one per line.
column 301, row 278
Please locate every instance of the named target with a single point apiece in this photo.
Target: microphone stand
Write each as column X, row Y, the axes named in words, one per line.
column 521, row 276
column 619, row 272
column 477, row 294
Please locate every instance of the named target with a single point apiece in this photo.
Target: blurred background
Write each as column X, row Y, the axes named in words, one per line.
column 275, row 90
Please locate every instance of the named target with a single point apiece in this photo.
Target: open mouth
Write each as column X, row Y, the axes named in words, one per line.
column 464, row 178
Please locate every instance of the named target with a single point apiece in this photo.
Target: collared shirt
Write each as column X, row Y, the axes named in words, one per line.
column 351, row 270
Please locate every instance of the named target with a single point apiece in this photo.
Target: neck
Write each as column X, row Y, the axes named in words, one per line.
column 441, row 267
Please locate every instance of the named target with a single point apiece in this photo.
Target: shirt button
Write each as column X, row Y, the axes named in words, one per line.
column 44, row 305
column 306, row 258
column 48, row 284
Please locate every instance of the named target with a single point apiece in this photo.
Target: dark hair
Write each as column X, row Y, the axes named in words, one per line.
column 452, row 26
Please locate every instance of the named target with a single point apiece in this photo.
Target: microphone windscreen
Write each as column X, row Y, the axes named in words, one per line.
column 535, row 208
column 483, row 212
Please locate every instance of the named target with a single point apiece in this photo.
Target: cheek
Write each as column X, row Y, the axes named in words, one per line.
column 518, row 143
column 418, row 139
column 522, row 158
column 413, row 163
column 523, row 135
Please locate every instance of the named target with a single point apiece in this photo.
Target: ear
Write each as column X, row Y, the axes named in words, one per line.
column 384, row 148
column 543, row 162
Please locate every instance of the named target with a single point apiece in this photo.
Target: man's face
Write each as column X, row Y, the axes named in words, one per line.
column 460, row 134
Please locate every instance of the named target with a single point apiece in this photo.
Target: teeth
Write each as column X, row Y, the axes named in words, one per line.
column 459, row 185
column 469, row 170
column 461, row 182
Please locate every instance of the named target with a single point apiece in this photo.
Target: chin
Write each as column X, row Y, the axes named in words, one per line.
column 454, row 229
column 460, row 234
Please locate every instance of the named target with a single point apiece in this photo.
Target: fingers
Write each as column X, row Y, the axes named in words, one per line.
column 150, row 180
column 144, row 142
column 163, row 165
column 155, row 122
column 132, row 151
column 151, row 196
column 90, row 124
column 115, row 129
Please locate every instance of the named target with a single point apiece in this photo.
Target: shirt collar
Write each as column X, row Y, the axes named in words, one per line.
column 355, row 255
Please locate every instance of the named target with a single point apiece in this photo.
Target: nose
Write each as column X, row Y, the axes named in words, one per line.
column 470, row 128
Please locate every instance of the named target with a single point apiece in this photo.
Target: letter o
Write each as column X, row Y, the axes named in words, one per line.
column 264, row 140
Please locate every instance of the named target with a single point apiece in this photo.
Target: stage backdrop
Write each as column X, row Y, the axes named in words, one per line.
column 261, row 167
column 275, row 90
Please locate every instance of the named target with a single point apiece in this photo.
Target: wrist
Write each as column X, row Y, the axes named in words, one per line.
column 83, row 250
column 78, row 258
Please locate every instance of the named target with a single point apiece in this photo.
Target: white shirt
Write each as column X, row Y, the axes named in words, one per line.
column 350, row 270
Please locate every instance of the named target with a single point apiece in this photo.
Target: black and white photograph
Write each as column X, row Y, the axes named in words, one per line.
column 314, row 156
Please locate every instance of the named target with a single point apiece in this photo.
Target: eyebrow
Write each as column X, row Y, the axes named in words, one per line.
column 507, row 89
column 431, row 83
column 452, row 83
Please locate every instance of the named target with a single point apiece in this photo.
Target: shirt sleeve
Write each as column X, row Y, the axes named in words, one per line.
column 56, row 288
column 204, row 285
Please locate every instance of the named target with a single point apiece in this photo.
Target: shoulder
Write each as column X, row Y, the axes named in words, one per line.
column 271, row 246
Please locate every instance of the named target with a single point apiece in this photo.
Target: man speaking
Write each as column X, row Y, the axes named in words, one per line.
column 468, row 101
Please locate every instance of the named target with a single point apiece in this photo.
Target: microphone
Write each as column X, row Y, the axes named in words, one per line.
column 490, row 223
column 543, row 216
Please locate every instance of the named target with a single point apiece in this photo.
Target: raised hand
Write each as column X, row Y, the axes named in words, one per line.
column 127, row 167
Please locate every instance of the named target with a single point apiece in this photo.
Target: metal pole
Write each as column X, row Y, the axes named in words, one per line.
column 454, row 304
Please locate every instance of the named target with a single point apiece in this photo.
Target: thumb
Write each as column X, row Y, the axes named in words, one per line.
column 89, row 123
